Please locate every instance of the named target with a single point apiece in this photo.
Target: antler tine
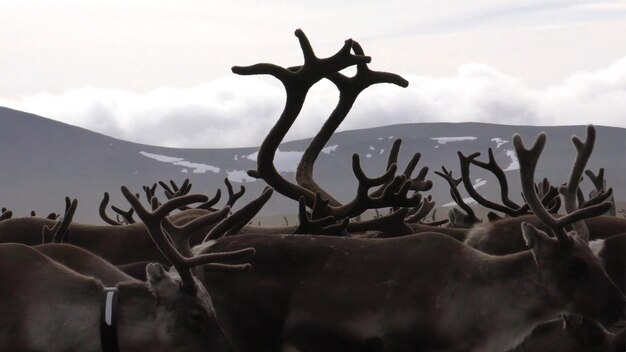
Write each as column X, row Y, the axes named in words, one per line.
column 319, row 206
column 465, row 167
column 62, row 231
column 363, row 200
column 528, row 162
column 102, row 211
column 425, row 207
column 493, row 166
column 309, row 225
column 208, row 205
column 454, row 191
column 569, row 192
column 240, row 218
column 126, row 215
column 233, row 196
column 149, row 191
column 598, row 198
column 598, row 180
column 180, row 235
column 393, row 224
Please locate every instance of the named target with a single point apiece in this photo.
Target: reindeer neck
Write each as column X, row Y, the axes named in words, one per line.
column 137, row 327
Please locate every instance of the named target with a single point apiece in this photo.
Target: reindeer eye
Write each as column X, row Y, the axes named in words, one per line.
column 197, row 316
column 577, row 268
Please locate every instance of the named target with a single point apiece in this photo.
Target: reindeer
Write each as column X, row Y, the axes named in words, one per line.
column 117, row 244
column 314, row 293
column 502, row 235
column 46, row 300
column 85, row 263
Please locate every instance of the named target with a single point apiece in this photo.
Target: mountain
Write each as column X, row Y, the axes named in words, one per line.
column 42, row 161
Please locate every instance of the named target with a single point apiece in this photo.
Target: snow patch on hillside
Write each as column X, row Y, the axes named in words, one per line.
column 240, row 176
column 499, row 141
column 479, row 182
column 283, row 161
column 198, row 168
column 514, row 165
column 330, row 149
column 468, row 201
column 444, row 140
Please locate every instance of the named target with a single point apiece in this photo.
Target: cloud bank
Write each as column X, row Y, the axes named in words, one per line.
column 239, row 111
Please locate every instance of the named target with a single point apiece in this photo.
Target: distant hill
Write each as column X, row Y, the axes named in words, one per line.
column 43, row 160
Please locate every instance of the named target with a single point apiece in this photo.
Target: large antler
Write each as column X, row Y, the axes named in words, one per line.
column 349, row 90
column 153, row 221
column 297, row 82
column 528, row 162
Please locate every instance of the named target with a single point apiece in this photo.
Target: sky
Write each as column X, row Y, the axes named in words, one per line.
column 159, row 72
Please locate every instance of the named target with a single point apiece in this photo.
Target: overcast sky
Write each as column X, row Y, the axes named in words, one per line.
column 158, row 72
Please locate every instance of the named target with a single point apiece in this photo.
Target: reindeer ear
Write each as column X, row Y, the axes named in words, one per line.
column 493, row 216
column 160, row 282
column 536, row 240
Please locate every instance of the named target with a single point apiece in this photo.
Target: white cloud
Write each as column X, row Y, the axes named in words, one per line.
column 239, row 111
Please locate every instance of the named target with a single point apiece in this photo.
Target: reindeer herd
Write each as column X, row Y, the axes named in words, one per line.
column 190, row 276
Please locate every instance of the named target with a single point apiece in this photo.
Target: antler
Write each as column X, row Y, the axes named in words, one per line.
column 240, row 218
column 601, row 193
column 60, row 231
column 126, row 215
column 309, row 224
column 232, row 195
column 528, row 162
column 349, row 90
column 153, row 222
column 419, row 213
column 456, row 196
column 419, row 183
column 297, row 82
column 508, row 207
column 180, row 235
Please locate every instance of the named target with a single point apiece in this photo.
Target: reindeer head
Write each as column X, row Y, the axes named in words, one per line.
column 184, row 321
column 184, row 315
column 573, row 277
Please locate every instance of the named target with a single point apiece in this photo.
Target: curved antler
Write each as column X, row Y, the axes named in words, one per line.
column 153, row 222
column 528, row 162
column 456, row 196
column 349, row 90
column 297, row 81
